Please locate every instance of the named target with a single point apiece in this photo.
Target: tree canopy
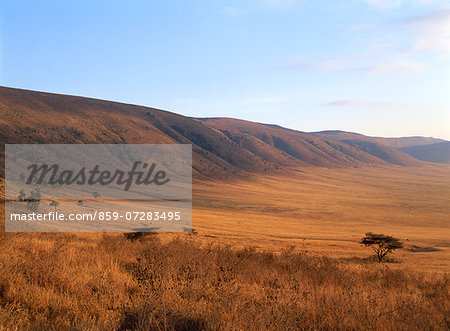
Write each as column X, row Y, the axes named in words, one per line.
column 381, row 244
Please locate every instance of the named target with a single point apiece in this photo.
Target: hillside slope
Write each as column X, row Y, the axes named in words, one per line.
column 310, row 148
column 396, row 143
column 221, row 147
column 438, row 153
column 36, row 117
column 421, row 148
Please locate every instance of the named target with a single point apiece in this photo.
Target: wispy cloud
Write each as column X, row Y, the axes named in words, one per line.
column 394, row 63
column 435, row 19
column 393, row 4
column 431, row 31
column 438, row 45
column 367, row 104
column 397, row 68
column 345, row 103
column 428, row 36
column 407, row 46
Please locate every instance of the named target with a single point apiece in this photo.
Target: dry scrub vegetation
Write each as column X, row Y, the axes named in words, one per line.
column 108, row 281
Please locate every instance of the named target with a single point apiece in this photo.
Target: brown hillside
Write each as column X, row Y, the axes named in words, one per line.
column 221, row 147
column 421, row 148
column 438, row 153
column 396, row 143
column 36, row 117
column 312, row 149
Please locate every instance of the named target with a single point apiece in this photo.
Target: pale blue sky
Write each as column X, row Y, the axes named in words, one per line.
column 378, row 67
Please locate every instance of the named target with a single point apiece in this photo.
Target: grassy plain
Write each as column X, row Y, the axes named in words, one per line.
column 276, row 252
column 108, row 282
column 326, row 211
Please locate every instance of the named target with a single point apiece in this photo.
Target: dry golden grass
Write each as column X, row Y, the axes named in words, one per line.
column 62, row 281
column 269, row 253
column 327, row 211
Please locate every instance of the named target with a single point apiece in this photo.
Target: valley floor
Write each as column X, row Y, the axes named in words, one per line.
column 327, row 211
column 277, row 252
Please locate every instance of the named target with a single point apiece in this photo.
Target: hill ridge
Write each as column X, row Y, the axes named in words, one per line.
column 222, row 147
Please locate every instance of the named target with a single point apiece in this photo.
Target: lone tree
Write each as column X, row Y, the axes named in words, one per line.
column 381, row 244
column 33, row 200
column 22, row 195
column 55, row 204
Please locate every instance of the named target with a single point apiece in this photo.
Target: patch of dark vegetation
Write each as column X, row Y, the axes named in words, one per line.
column 138, row 235
column 147, row 317
column 281, row 144
column 415, row 248
column 377, row 150
column 367, row 260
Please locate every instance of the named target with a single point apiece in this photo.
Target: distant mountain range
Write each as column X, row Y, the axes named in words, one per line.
column 438, row 152
column 390, row 142
column 221, row 146
column 422, row 148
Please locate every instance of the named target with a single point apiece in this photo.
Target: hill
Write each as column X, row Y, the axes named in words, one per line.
column 36, row 117
column 421, row 148
column 396, row 143
column 221, row 147
column 438, row 153
column 309, row 148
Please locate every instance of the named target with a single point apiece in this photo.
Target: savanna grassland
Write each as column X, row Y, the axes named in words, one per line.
column 327, row 211
column 268, row 252
column 103, row 281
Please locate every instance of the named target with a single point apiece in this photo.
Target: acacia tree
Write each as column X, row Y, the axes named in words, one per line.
column 22, row 195
column 54, row 204
column 33, row 200
column 381, row 244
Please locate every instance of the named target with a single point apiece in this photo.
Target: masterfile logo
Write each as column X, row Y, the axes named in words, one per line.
column 123, row 172
column 146, row 176
column 98, row 187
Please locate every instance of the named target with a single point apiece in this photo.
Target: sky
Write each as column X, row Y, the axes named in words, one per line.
column 377, row 67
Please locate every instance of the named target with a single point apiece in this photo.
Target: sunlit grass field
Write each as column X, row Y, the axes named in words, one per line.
column 327, row 211
column 101, row 281
column 277, row 252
